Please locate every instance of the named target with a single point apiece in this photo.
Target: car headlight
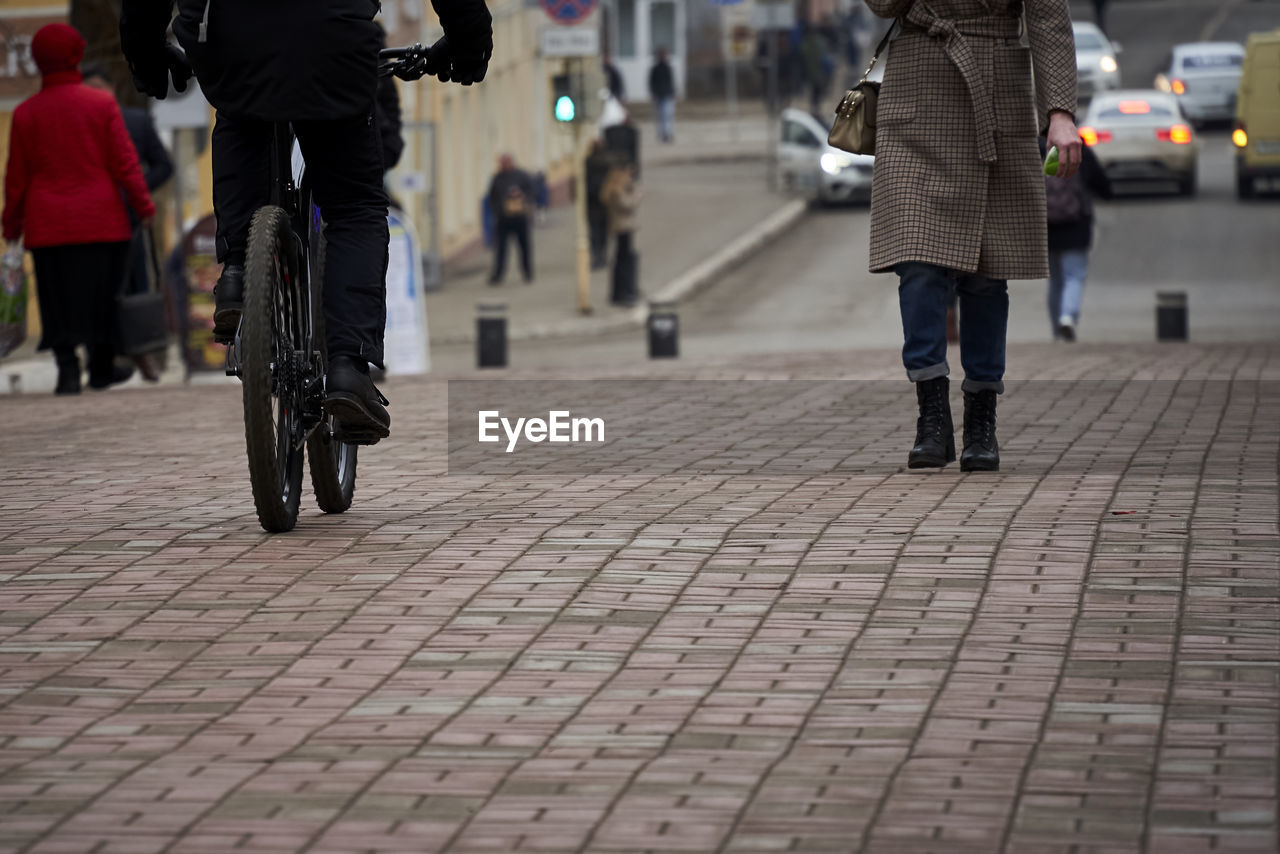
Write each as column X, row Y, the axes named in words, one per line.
column 833, row 162
column 1108, row 64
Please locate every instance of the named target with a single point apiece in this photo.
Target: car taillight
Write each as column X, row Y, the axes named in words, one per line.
column 1179, row 87
column 1092, row 136
column 1178, row 134
column 1239, row 136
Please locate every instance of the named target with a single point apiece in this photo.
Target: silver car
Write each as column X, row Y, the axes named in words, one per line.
column 1204, row 77
column 1142, row 135
column 1096, row 66
column 808, row 165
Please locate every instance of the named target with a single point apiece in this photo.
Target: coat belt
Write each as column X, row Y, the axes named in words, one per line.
column 955, row 35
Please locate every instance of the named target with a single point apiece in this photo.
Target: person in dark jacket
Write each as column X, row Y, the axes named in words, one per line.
column 613, row 78
column 156, row 169
column 314, row 65
column 511, row 198
column 662, row 89
column 69, row 159
column 1069, row 208
column 599, row 162
column 153, row 158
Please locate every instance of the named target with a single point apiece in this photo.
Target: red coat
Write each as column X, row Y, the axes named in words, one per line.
column 69, row 158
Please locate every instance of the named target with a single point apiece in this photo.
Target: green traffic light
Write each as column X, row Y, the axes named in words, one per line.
column 565, row 109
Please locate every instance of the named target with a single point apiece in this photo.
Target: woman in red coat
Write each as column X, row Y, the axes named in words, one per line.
column 69, row 159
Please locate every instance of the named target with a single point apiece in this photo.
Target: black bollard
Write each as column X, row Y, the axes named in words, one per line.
column 1171, row 316
column 664, row 331
column 491, row 335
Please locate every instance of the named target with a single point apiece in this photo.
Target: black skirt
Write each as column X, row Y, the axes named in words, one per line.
column 77, row 286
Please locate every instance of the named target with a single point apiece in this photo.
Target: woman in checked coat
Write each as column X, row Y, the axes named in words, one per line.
column 957, row 204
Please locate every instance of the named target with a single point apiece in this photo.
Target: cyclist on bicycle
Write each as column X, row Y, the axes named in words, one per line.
column 315, row 65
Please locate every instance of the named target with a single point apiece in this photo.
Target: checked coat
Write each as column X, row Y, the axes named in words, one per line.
column 957, row 170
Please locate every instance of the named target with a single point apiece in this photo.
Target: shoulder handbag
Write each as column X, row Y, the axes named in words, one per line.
column 854, row 128
column 140, row 322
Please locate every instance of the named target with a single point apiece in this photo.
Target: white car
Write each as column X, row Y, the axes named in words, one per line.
column 808, row 165
column 1096, row 66
column 1204, row 76
column 1141, row 135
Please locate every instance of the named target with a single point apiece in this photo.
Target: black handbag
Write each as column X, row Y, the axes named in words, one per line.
column 141, row 325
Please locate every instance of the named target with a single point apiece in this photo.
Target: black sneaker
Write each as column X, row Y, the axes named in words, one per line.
column 229, row 293
column 356, row 405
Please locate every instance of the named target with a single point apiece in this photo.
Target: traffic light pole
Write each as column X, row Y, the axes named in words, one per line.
column 580, row 197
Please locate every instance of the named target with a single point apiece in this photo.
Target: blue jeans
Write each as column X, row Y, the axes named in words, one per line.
column 666, row 119
column 925, row 291
column 1067, row 271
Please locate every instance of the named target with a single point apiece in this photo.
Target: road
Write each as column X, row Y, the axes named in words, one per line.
column 811, row 291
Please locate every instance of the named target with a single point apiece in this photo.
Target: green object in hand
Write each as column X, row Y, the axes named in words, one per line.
column 1051, row 161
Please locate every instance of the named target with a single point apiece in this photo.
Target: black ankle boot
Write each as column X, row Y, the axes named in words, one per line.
column 68, row 373
column 935, row 437
column 228, row 296
column 104, row 370
column 981, row 452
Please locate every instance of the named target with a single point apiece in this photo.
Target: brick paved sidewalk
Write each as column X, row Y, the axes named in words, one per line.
column 862, row 659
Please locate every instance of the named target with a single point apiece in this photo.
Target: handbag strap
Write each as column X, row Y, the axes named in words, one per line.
column 880, row 49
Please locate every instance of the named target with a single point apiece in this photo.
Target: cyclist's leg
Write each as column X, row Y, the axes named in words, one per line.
column 344, row 163
column 241, row 180
column 241, row 185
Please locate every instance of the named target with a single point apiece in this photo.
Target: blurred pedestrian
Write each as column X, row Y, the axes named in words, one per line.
column 662, row 89
column 598, row 164
column 622, row 141
column 70, row 157
column 511, row 197
column 622, row 198
column 958, row 198
column 1099, row 11
column 816, row 64
column 1069, row 211
column 157, row 168
column 613, row 78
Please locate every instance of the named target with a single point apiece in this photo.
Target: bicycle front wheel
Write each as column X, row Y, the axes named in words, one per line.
column 271, row 335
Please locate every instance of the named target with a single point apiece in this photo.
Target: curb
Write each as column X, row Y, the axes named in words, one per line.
column 682, row 287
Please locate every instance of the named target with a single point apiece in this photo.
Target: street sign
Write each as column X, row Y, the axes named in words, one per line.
column 569, row 11
column 583, row 40
column 725, row 2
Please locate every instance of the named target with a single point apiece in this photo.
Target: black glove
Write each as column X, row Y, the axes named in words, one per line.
column 461, row 61
column 151, row 71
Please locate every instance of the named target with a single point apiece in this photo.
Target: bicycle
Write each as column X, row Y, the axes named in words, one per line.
column 278, row 351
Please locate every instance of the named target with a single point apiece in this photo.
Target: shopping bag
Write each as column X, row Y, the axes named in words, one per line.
column 141, row 324
column 13, row 305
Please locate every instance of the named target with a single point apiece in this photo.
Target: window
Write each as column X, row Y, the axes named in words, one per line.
column 1086, row 40
column 626, row 46
column 1213, row 60
column 662, row 26
column 795, row 133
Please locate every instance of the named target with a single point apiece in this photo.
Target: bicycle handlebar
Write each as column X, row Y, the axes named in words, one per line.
column 407, row 63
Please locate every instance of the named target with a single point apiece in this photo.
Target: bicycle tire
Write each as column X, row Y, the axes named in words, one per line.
column 268, row 357
column 332, row 463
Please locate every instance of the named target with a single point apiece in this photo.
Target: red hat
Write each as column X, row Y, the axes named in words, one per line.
column 57, row 47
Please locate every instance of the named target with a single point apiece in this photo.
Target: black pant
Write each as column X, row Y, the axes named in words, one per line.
column 517, row 227
column 625, row 288
column 344, row 165
column 598, row 233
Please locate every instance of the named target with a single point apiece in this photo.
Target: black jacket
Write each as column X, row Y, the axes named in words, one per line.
column 152, row 157
column 662, row 82
column 505, row 184
column 281, row 60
